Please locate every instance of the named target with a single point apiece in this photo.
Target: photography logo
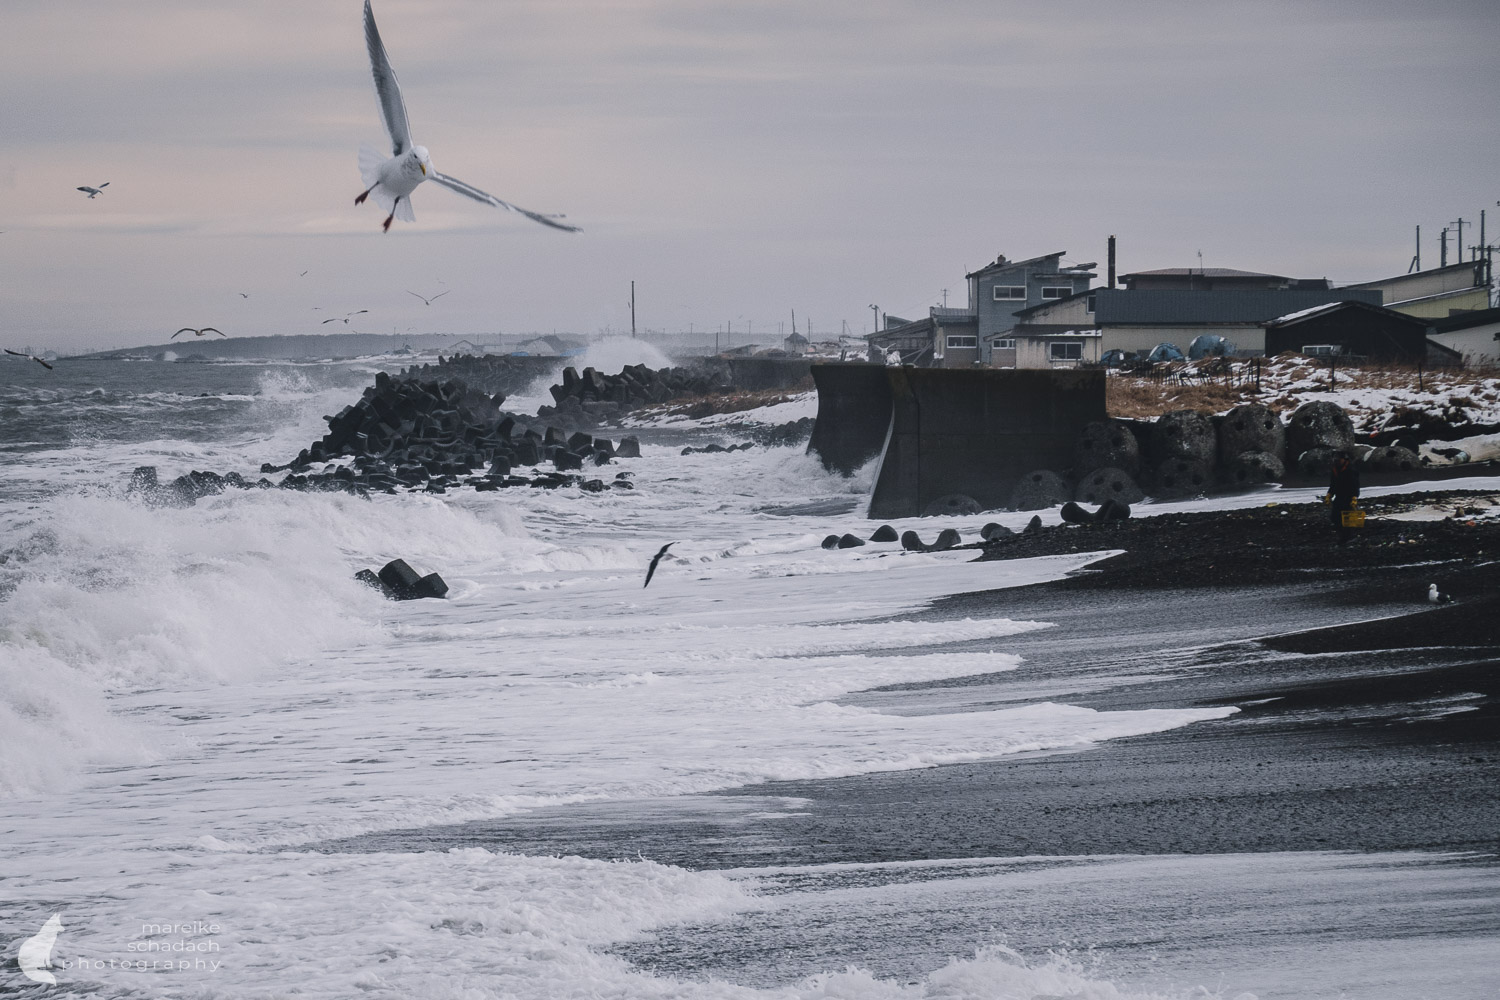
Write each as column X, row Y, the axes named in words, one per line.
column 35, row 956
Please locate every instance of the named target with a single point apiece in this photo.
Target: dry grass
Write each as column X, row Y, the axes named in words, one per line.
column 1139, row 399
column 1288, row 381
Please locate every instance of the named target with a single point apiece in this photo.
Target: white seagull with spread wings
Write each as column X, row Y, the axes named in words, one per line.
column 391, row 180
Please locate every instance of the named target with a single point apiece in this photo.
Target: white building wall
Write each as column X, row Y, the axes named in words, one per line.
column 1477, row 344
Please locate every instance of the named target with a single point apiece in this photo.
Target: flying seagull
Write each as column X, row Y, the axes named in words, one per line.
column 391, row 180
column 244, row 295
column 94, row 192
column 345, row 319
column 197, row 332
column 650, row 570
column 1436, row 596
column 425, row 300
column 31, row 357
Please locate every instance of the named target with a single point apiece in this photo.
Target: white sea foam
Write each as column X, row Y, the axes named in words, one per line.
column 188, row 696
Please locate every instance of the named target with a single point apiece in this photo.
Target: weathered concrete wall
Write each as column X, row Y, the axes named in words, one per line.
column 977, row 432
column 854, row 413
column 755, row 374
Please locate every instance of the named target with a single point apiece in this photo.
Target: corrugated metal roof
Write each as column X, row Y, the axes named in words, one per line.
column 1006, row 265
column 1202, row 272
column 1152, row 307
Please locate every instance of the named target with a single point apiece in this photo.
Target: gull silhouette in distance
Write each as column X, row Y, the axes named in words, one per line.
column 94, row 192
column 29, row 357
column 198, row 332
column 425, row 300
column 651, row 570
column 345, row 319
column 391, row 179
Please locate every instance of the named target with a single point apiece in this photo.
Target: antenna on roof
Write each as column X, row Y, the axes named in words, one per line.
column 1416, row 262
column 1200, row 262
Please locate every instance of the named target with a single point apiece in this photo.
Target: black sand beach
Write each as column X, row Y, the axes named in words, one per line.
column 1369, row 720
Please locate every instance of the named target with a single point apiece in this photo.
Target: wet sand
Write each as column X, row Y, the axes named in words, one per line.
column 1368, row 720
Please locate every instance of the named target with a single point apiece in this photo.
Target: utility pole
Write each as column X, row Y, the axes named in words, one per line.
column 1443, row 248
column 632, row 308
column 877, row 317
column 1460, row 224
column 1416, row 262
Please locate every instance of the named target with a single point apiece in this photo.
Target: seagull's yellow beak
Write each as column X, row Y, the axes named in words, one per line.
column 424, row 168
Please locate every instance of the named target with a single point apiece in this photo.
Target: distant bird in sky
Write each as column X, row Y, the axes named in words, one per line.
column 302, row 275
column 198, row 332
column 651, row 570
column 425, row 300
column 31, row 357
column 1436, row 596
column 244, row 295
column 345, row 319
column 391, row 180
column 94, row 192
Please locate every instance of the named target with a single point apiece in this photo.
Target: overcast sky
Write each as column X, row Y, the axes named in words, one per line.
column 737, row 160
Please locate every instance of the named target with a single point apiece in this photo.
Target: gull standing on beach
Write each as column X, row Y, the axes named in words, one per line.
column 391, row 180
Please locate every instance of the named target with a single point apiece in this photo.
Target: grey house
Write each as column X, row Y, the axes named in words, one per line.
column 998, row 292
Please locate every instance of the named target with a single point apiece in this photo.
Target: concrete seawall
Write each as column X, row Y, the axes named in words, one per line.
column 976, row 432
column 854, row 414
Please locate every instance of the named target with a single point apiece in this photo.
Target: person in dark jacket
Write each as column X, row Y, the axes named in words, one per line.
column 1343, row 490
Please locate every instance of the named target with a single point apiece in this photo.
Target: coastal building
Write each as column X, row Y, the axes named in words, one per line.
column 1473, row 336
column 1136, row 320
column 1436, row 293
column 956, row 338
column 1059, row 333
column 1350, row 329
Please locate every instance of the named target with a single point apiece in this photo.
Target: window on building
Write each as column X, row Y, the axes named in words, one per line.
column 1005, row 344
column 1009, row 293
column 1322, row 350
column 1056, row 291
column 1065, row 350
column 961, row 341
column 1092, row 300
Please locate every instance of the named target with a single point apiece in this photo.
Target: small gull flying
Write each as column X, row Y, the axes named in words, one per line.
column 94, row 192
column 392, row 179
column 425, row 300
column 346, row 317
column 198, row 332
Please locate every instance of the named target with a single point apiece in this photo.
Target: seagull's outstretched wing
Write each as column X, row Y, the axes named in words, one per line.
column 186, row 329
column 387, row 90
column 209, row 329
column 454, row 184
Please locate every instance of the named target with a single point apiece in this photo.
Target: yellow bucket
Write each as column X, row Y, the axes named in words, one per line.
column 1353, row 518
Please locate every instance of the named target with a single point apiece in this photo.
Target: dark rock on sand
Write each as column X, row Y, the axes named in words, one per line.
column 884, row 533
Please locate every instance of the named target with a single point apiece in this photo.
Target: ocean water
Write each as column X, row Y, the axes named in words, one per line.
column 193, row 699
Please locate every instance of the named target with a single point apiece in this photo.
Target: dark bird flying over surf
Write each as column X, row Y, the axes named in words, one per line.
column 33, row 357
column 197, row 332
column 651, row 570
column 425, row 300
